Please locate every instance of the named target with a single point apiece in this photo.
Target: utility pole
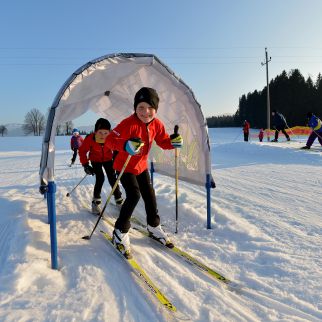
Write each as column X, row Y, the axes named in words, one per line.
column 268, row 101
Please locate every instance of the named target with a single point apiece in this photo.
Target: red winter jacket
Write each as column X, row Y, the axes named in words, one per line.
column 97, row 152
column 132, row 127
column 76, row 142
column 246, row 127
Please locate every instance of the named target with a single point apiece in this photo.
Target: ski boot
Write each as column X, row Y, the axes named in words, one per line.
column 275, row 140
column 122, row 243
column 305, row 147
column 119, row 201
column 96, row 206
column 159, row 235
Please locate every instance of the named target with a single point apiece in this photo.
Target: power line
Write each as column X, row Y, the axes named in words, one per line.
column 157, row 48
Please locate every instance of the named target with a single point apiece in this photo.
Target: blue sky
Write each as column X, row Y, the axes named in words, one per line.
column 216, row 47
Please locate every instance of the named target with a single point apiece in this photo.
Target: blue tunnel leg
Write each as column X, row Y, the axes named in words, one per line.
column 51, row 205
column 208, row 187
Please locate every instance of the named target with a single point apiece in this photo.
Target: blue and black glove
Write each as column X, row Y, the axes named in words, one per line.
column 133, row 146
column 88, row 169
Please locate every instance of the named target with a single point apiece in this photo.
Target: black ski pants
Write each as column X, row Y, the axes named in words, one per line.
column 283, row 131
column 75, row 150
column 135, row 186
column 99, row 178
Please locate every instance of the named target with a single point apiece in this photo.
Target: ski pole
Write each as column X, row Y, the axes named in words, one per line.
column 176, row 129
column 290, row 130
column 317, row 134
column 69, row 193
column 109, row 197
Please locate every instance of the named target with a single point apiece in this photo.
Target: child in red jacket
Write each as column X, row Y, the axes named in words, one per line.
column 135, row 180
column 100, row 156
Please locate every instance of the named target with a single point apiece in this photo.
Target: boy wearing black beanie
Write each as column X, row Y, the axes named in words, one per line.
column 127, row 138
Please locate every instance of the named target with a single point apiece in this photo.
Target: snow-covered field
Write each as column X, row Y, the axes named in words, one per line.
column 266, row 235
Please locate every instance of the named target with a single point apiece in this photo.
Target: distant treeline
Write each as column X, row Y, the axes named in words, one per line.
column 290, row 94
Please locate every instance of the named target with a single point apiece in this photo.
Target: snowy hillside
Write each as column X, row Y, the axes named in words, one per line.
column 266, row 236
column 15, row 129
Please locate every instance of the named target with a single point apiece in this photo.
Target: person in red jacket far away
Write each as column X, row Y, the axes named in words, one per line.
column 246, row 127
column 127, row 138
column 95, row 156
column 261, row 135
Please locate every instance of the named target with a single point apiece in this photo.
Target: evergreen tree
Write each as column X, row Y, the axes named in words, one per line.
column 317, row 108
column 290, row 94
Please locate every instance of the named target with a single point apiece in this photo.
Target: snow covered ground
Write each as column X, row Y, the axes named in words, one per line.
column 266, row 235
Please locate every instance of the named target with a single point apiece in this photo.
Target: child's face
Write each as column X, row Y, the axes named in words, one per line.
column 145, row 112
column 102, row 134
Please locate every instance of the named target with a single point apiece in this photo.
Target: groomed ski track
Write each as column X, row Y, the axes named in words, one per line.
column 266, row 236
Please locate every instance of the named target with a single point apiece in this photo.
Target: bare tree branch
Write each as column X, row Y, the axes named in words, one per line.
column 69, row 127
column 34, row 122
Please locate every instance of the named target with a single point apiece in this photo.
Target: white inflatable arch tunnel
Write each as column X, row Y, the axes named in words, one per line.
column 107, row 86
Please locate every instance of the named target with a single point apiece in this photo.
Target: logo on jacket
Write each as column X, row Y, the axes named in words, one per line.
column 117, row 133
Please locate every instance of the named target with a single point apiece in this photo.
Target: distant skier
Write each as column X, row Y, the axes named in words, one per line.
column 246, row 128
column 94, row 151
column 279, row 123
column 75, row 143
column 315, row 123
column 136, row 180
column 261, row 135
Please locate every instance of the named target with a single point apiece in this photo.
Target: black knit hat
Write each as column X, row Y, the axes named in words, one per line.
column 102, row 124
column 148, row 95
column 309, row 115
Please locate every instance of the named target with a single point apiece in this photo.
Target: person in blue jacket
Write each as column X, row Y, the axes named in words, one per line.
column 279, row 124
column 316, row 125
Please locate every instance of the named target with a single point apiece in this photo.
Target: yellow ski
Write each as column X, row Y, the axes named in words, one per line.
column 188, row 258
column 142, row 275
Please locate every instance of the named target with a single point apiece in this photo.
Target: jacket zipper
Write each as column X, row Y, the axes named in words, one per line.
column 148, row 133
column 102, row 146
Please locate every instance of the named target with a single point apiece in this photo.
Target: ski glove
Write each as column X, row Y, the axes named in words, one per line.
column 44, row 188
column 176, row 140
column 133, row 146
column 88, row 169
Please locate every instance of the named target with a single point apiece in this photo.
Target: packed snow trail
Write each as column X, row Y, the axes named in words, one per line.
column 266, row 235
